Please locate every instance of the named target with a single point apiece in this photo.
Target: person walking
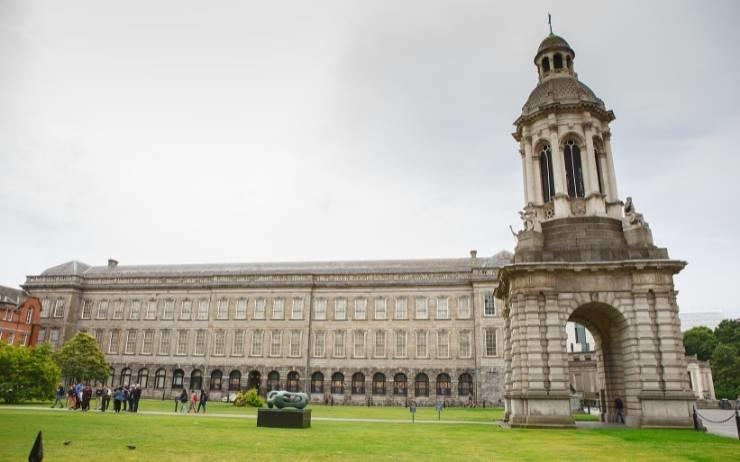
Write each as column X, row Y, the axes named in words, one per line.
column 105, row 399
column 71, row 398
column 203, row 401
column 124, row 404
column 137, row 397
column 86, row 396
column 618, row 407
column 59, row 397
column 131, row 391
column 117, row 399
column 78, row 395
column 183, row 400
column 193, row 402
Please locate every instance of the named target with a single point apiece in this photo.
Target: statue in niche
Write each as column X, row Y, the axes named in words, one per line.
column 631, row 215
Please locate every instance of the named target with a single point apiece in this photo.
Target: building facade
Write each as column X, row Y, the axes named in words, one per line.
column 19, row 317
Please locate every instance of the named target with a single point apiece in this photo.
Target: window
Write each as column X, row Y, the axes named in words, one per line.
column 273, row 380
column 546, row 173
column 237, row 347
column 257, row 343
column 465, row 386
column 259, row 309
column 24, row 340
column 102, row 309
column 358, row 383
column 151, row 310
column 235, row 381
column 443, row 344
column 241, row 309
column 99, row 333
column 59, row 308
column 359, row 344
column 222, row 311
column 489, row 304
column 148, row 342
column 112, row 341
column 203, row 309
column 196, row 380
column 125, row 377
column 276, row 343
column 318, row 343
column 339, row 344
column 546, row 64
column 185, row 309
column 400, row 344
column 490, row 338
column 11, row 337
column 422, row 309
column 340, row 309
column 573, row 169
column 130, row 342
column 29, row 316
column 297, row 312
column 278, row 308
column 216, row 377
column 421, row 385
column 142, row 377
column 219, row 343
column 169, row 309
column 463, row 307
column 337, row 383
column 159, row 379
column 317, row 382
column 135, row 310
column 401, row 311
column 86, row 309
column 118, row 309
column 443, row 385
column 182, row 343
column 421, row 344
column 45, row 307
column 378, row 384
column 379, row 343
column 400, row 384
column 380, row 308
column 177, row 377
column 320, row 309
column 200, row 342
column 164, row 342
column 360, row 308
column 465, row 344
column 42, row 336
column 597, row 161
column 295, row 343
column 558, row 61
column 443, row 311
column 292, row 382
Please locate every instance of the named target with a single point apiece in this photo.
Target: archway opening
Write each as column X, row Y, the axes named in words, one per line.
column 254, row 380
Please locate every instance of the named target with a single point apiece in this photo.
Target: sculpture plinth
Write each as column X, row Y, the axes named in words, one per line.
column 284, row 418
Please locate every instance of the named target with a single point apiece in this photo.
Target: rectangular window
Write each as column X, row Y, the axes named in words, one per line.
column 102, row 309
column 148, row 342
column 59, row 308
column 203, row 309
column 24, row 340
column 278, row 308
column 164, row 342
column 29, row 316
column 259, row 309
column 257, row 343
column 241, row 309
column 443, row 344
column 219, row 343
column 319, row 341
column 401, row 311
column 276, row 343
column 185, row 309
column 489, row 304
column 118, row 309
column 465, row 344
column 443, row 311
column 422, row 308
column 237, row 347
column 463, row 307
column 200, row 342
column 151, row 309
column 359, row 344
column 222, row 311
column 297, row 312
column 340, row 309
column 295, row 343
column 8, row 315
column 86, row 309
column 135, row 310
column 360, row 308
column 130, row 342
column 99, row 333
column 339, row 344
column 421, row 344
column 400, row 344
column 169, row 309
column 182, row 342
column 113, row 341
column 319, row 312
column 379, row 343
column 45, row 307
column 11, row 338
column 380, row 310
column 490, row 337
column 42, row 336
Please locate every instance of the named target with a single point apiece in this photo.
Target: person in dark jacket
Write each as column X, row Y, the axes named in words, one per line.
column 183, row 400
column 619, row 407
column 58, row 397
column 118, row 398
column 203, row 401
column 137, row 396
column 105, row 398
column 86, row 397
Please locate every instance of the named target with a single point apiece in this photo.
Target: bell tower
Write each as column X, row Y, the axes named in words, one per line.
column 584, row 255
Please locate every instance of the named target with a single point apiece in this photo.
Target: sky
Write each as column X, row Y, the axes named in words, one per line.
column 238, row 131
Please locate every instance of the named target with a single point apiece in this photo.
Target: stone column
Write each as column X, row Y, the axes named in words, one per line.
column 531, row 195
column 562, row 206
column 525, row 176
column 612, row 194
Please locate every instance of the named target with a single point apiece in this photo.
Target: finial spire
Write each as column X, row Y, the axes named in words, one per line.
column 549, row 22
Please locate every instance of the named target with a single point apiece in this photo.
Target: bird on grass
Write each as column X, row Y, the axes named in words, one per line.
column 67, row 443
column 131, row 446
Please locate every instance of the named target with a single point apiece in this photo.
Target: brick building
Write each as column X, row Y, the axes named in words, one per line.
column 19, row 317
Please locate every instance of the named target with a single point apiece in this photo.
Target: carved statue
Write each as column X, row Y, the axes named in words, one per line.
column 282, row 399
column 528, row 216
column 631, row 215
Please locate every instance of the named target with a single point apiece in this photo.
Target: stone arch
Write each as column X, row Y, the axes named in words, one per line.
column 254, row 380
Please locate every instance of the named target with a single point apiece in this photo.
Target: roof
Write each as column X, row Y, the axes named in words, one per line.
column 11, row 295
column 74, row 267
column 554, row 41
column 560, row 89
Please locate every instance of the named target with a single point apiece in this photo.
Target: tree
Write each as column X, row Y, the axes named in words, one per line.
column 726, row 371
column 27, row 373
column 81, row 359
column 700, row 341
column 728, row 332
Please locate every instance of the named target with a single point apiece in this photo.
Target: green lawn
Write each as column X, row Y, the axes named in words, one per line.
column 97, row 436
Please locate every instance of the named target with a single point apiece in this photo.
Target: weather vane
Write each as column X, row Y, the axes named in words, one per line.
column 549, row 22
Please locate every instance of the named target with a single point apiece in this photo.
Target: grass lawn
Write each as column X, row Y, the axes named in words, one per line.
column 96, row 436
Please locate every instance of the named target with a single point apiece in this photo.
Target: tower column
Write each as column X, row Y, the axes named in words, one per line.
column 562, row 208
column 612, row 194
column 527, row 174
column 530, row 173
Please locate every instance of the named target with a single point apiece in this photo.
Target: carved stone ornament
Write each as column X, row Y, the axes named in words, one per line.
column 578, row 207
column 631, row 215
column 528, row 216
column 549, row 210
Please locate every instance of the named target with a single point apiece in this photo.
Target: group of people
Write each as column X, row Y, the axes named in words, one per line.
column 78, row 397
column 196, row 403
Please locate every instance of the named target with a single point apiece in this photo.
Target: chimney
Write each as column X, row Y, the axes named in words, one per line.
column 112, row 263
column 473, row 253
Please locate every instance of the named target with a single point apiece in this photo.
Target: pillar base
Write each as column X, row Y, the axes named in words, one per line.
column 541, row 411
column 667, row 411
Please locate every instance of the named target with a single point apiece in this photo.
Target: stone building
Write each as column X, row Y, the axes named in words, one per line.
column 19, row 317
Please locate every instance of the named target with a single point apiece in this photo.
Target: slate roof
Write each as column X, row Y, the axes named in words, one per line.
column 560, row 89
column 11, row 295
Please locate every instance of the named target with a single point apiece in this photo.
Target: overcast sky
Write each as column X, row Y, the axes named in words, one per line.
column 191, row 131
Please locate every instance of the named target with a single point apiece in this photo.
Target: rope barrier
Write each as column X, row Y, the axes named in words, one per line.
column 731, row 416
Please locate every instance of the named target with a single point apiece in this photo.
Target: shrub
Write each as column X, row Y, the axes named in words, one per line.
column 249, row 398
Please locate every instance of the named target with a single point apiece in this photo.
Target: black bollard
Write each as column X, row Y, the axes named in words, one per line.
column 696, row 420
column 737, row 423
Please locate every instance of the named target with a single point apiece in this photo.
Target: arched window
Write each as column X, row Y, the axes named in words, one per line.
column 177, row 376
column 216, row 377
column 465, row 385
column 421, row 385
column 545, row 64
column 379, row 384
column 254, row 380
column 196, row 380
column 568, row 62
column 358, row 383
column 125, row 377
column 443, row 385
column 292, row 382
column 573, row 170
column 337, row 383
column 597, row 161
column 558, row 61
column 317, row 382
column 273, row 381
column 142, row 377
column 159, row 379
column 235, row 381
column 546, row 175
column 400, row 383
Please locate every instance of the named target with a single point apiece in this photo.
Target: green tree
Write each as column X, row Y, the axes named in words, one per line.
column 27, row 373
column 81, row 359
column 726, row 371
column 700, row 341
column 728, row 332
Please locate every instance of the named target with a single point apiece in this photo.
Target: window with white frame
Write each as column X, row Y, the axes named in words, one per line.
column 421, row 344
column 319, row 342
column 465, row 351
column 135, row 311
column 257, row 337
column 489, row 304
column 241, row 309
column 443, row 344
column 340, row 309
column 237, row 347
column 400, row 347
column 59, row 308
column 463, row 307
column 168, row 312
column 130, row 342
column 24, row 340
column 86, row 309
column 112, row 341
column 422, row 308
column 203, row 309
column 359, row 344
column 219, row 343
column 276, row 343
column 222, row 310
column 295, row 343
column 297, row 311
column 443, row 310
column 490, row 339
column 99, row 335
column 259, row 308
column 200, row 342
column 379, row 343
column 118, row 309
column 186, row 308
column 380, row 308
column 147, row 342
column 339, row 344
column 29, row 316
column 164, row 342
column 11, row 337
column 319, row 312
column 360, row 308
column 45, row 307
column 151, row 310
column 278, row 308
column 182, row 342
column 401, row 310
column 42, row 335
column 102, row 309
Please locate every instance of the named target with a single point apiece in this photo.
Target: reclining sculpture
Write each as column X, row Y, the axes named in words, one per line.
column 282, row 399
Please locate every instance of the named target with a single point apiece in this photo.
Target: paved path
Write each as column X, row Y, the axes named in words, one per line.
column 728, row 428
